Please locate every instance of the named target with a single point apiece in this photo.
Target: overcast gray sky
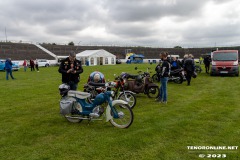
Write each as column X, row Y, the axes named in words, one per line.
column 156, row 23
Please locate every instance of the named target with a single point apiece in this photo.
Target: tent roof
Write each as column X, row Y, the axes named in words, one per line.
column 95, row 53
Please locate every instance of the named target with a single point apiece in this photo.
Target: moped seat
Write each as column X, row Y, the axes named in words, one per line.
column 78, row 94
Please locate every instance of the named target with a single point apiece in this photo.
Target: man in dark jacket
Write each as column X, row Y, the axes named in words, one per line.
column 189, row 68
column 8, row 68
column 70, row 68
column 207, row 61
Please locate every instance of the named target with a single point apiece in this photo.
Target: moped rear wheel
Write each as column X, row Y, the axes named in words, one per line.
column 128, row 97
column 125, row 116
column 153, row 92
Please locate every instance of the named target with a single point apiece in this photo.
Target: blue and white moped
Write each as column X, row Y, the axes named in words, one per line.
column 75, row 108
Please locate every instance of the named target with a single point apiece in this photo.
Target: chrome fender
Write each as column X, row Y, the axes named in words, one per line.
column 108, row 110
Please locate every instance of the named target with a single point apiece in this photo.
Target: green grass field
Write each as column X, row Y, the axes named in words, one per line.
column 207, row 113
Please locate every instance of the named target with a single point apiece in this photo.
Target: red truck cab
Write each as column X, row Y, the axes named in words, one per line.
column 224, row 62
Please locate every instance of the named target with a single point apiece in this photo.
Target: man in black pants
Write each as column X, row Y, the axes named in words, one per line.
column 207, row 61
column 189, row 68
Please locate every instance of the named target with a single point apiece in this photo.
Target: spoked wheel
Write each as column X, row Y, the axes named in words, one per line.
column 73, row 118
column 179, row 80
column 155, row 78
column 153, row 92
column 125, row 116
column 128, row 97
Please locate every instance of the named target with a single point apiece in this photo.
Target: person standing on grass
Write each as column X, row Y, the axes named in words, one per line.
column 71, row 68
column 165, row 72
column 25, row 65
column 189, row 68
column 36, row 65
column 207, row 61
column 32, row 65
column 8, row 68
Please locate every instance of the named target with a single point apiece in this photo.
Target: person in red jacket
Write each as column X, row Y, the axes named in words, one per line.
column 25, row 65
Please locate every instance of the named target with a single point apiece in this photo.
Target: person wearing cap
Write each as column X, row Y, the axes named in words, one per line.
column 71, row 68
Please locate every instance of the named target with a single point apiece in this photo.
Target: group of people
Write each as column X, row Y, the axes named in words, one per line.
column 71, row 68
column 166, row 66
column 8, row 67
column 32, row 65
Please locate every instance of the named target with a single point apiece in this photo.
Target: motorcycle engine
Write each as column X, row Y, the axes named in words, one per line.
column 139, row 80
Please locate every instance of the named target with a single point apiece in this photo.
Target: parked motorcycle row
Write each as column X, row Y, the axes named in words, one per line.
column 176, row 76
column 112, row 101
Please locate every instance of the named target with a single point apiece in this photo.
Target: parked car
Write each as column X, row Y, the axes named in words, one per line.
column 15, row 66
column 43, row 63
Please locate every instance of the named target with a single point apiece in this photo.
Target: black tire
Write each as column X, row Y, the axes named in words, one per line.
column 153, row 92
column 155, row 78
column 125, row 116
column 128, row 97
column 179, row 80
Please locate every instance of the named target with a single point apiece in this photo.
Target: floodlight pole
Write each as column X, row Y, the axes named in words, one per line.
column 6, row 33
column 78, row 45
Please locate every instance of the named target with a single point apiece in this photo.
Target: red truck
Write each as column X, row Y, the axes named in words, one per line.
column 224, row 62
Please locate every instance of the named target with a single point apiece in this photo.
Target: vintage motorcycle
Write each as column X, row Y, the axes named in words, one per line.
column 75, row 108
column 140, row 83
column 119, row 92
column 176, row 76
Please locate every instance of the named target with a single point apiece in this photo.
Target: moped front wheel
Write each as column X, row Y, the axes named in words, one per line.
column 125, row 116
column 128, row 97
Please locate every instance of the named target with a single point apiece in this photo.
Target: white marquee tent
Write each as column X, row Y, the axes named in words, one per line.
column 96, row 57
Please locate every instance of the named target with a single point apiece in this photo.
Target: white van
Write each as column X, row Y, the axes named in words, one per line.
column 42, row 63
